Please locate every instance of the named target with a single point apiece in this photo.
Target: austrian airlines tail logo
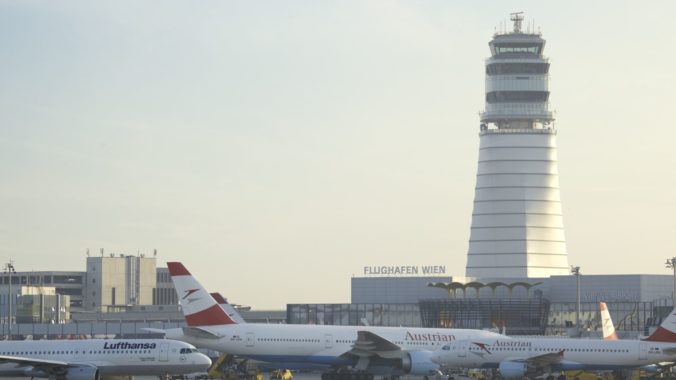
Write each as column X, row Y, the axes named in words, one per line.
column 189, row 292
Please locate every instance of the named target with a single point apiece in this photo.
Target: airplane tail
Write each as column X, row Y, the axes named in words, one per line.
column 228, row 308
column 666, row 332
column 607, row 323
column 218, row 297
column 199, row 307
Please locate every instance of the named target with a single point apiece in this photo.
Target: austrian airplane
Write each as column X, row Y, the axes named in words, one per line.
column 607, row 323
column 364, row 350
column 89, row 359
column 517, row 358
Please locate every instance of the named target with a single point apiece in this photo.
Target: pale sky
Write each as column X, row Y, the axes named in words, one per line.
column 278, row 147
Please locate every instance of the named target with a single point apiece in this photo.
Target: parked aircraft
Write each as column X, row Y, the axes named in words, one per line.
column 364, row 350
column 607, row 323
column 518, row 357
column 89, row 359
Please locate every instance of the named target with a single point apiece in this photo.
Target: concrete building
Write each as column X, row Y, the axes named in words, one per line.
column 33, row 304
column 517, row 227
column 164, row 292
column 119, row 281
column 66, row 283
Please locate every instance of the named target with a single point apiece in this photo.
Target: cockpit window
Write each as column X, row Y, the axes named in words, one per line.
column 446, row 348
column 187, row 350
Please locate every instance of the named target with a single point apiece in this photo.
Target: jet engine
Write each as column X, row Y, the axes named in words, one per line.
column 418, row 363
column 510, row 370
column 82, row 373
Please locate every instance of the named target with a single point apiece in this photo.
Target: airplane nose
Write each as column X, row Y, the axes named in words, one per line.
column 204, row 360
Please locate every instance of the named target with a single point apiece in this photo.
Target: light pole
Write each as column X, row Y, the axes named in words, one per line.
column 9, row 269
column 671, row 263
column 576, row 272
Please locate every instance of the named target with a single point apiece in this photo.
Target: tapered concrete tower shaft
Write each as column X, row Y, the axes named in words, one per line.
column 517, row 226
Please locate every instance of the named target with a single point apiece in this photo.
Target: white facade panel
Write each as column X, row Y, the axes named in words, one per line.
column 502, row 180
column 507, row 272
column 517, row 220
column 500, row 246
column 505, row 167
column 498, row 260
column 517, row 193
column 505, row 233
column 549, row 247
column 549, row 260
column 546, row 272
column 518, row 153
column 501, row 207
column 524, row 139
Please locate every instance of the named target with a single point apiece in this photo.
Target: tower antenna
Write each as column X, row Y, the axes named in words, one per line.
column 517, row 17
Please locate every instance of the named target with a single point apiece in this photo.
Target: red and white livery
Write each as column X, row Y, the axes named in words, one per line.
column 365, row 349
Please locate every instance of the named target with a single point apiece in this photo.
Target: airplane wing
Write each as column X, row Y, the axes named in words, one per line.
column 200, row 332
column 543, row 360
column 369, row 345
column 43, row 365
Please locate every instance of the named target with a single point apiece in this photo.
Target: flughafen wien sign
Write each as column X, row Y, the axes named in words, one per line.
column 404, row 270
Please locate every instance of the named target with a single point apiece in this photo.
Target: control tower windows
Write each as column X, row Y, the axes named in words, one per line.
column 518, row 48
column 516, row 96
column 517, row 68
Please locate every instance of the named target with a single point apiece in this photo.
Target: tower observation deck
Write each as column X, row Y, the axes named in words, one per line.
column 517, row 228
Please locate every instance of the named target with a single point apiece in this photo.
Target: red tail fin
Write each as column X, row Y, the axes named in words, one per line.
column 666, row 332
column 199, row 308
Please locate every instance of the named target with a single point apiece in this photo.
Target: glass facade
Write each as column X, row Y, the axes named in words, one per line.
column 372, row 314
column 516, row 316
column 631, row 319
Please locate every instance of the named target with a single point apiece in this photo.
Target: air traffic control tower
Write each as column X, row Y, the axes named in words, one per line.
column 517, row 227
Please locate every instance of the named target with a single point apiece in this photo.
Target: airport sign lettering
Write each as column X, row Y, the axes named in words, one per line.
column 404, row 270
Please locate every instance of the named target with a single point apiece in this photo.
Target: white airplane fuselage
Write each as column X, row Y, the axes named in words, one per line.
column 108, row 356
column 311, row 346
column 584, row 354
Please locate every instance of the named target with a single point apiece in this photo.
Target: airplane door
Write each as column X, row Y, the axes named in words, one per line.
column 164, row 352
column 250, row 339
column 328, row 340
column 462, row 350
column 642, row 351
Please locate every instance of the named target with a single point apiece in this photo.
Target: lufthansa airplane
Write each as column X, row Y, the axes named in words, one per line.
column 366, row 350
column 89, row 359
column 519, row 357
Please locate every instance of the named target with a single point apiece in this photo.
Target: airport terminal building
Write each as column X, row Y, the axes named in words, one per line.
column 518, row 306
